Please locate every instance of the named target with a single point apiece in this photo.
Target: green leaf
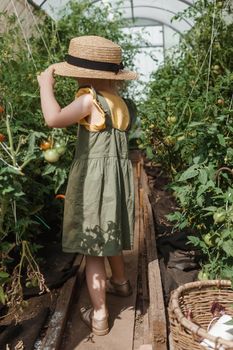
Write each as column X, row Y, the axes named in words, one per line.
column 196, row 160
column 227, row 273
column 149, row 153
column 195, row 124
column 189, row 174
column 230, row 151
column 202, row 176
column 228, row 247
column 176, row 216
column 8, row 190
column 221, row 140
column 4, row 274
column 212, row 208
column 10, row 170
column 194, row 240
column 60, row 177
column 2, row 296
column 49, row 169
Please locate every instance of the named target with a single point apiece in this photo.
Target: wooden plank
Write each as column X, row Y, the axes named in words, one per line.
column 140, row 279
column 144, row 274
column 53, row 337
column 137, row 211
column 143, row 260
column 136, row 246
column 146, row 347
column 157, row 317
column 3, row 5
column 121, row 310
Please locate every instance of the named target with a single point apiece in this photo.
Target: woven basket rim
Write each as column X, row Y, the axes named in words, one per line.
column 191, row 326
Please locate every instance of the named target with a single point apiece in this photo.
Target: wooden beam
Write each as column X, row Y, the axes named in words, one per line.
column 53, row 337
column 157, row 317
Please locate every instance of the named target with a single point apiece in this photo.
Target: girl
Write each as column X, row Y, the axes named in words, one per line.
column 99, row 201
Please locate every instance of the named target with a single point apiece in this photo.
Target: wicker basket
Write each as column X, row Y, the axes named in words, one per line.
column 198, row 297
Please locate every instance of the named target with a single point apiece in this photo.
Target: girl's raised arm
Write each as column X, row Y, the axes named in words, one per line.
column 54, row 115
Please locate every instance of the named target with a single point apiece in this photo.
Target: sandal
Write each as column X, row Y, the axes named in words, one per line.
column 123, row 290
column 98, row 327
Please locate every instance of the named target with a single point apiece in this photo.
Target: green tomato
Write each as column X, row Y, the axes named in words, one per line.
column 169, row 140
column 216, row 67
column 181, row 138
column 192, row 133
column 60, row 146
column 219, row 217
column 171, row 119
column 220, row 4
column 51, row 155
column 208, row 239
column 202, row 276
column 60, row 149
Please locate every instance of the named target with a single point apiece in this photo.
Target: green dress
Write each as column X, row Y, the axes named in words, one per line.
column 99, row 201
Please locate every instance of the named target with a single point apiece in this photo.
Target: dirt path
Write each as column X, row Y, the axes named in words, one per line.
column 122, row 317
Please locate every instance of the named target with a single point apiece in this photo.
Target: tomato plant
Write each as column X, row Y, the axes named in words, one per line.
column 27, row 181
column 194, row 86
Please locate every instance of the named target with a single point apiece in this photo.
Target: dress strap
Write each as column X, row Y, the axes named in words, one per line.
column 132, row 111
column 102, row 101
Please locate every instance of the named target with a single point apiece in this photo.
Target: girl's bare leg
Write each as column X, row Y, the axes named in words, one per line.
column 118, row 268
column 96, row 283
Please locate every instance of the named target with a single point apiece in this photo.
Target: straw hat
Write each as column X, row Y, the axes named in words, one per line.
column 94, row 57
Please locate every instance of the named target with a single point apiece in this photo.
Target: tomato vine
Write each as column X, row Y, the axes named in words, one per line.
column 189, row 104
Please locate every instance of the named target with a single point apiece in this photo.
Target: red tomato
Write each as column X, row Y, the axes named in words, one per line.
column 2, row 137
column 60, row 196
column 45, row 145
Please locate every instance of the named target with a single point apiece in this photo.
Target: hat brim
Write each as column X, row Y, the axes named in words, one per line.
column 67, row 70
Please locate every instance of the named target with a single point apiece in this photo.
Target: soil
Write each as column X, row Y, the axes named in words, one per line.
column 56, row 267
column 179, row 261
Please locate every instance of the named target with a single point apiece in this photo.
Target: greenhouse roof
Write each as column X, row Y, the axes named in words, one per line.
column 162, row 29
column 140, row 11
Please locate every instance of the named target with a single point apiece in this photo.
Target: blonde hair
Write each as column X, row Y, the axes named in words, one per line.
column 101, row 83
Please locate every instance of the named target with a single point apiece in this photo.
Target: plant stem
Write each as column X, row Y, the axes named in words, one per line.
column 10, row 140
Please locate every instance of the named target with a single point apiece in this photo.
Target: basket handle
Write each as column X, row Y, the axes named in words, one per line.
column 219, row 171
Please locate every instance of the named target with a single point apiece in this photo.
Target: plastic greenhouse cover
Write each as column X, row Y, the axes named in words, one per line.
column 158, row 10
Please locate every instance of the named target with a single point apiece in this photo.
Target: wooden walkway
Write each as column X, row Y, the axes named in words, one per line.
column 137, row 322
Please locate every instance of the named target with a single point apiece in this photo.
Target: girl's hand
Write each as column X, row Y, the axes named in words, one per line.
column 46, row 77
